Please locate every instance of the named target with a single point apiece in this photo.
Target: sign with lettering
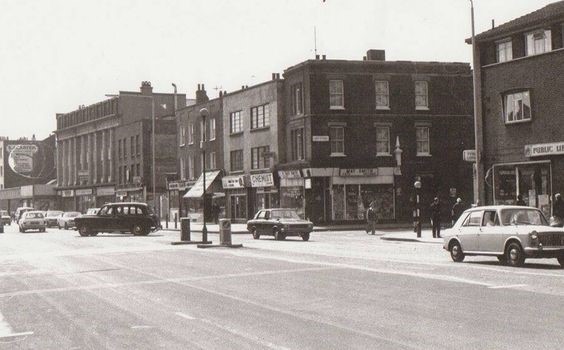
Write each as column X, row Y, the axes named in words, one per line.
column 84, row 192
column 177, row 185
column 66, row 193
column 105, row 191
column 359, row 172
column 289, row 174
column 237, row 181
column 469, row 155
column 544, row 149
column 320, row 138
column 262, row 180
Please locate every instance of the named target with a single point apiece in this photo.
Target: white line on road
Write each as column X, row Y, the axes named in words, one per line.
column 141, row 327
column 183, row 315
column 508, row 286
column 6, row 330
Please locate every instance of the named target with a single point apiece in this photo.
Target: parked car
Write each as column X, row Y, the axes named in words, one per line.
column 32, row 220
column 66, row 220
column 5, row 217
column 92, row 211
column 20, row 211
column 512, row 233
column 121, row 217
column 279, row 223
column 51, row 217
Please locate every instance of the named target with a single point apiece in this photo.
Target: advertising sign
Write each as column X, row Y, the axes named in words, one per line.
column 289, row 174
column 28, row 161
column 237, row 181
column 544, row 149
column 359, row 172
column 262, row 180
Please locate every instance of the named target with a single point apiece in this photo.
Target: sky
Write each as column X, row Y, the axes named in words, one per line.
column 56, row 55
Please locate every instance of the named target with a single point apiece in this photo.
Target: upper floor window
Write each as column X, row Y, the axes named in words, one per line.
column 235, row 122
column 212, row 129
column 137, row 145
column 212, row 160
column 236, row 160
column 297, row 99
column 190, row 134
column 133, row 145
column 421, row 95
column 259, row 158
column 191, row 173
column 297, row 144
column 182, row 169
column 517, row 107
column 382, row 140
column 336, row 94
column 382, row 95
column 337, row 140
column 538, row 42
column 423, row 141
column 119, row 149
column 504, row 50
column 260, row 116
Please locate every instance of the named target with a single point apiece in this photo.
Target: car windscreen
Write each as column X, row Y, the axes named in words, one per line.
column 523, row 216
column 72, row 214
column 52, row 214
column 284, row 214
column 34, row 215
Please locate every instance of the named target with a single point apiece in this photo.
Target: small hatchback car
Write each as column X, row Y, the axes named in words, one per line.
column 32, row 220
column 279, row 223
column 117, row 217
column 512, row 233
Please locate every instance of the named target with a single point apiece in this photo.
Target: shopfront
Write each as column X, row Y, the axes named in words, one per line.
column 105, row 195
column 194, row 199
column 264, row 192
column 84, row 199
column 131, row 194
column 67, row 200
column 237, row 201
column 292, row 191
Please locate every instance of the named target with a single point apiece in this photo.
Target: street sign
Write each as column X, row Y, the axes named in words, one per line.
column 469, row 155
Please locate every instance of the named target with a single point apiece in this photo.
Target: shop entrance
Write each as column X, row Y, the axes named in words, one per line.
column 238, row 207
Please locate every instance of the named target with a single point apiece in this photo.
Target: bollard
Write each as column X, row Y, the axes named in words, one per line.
column 184, row 229
column 225, row 232
column 166, row 221
column 175, row 219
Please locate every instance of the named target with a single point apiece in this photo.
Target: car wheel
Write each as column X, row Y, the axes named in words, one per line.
column 22, row 230
column 561, row 261
column 456, row 253
column 93, row 233
column 502, row 259
column 279, row 236
column 42, row 230
column 515, row 255
column 139, row 230
column 255, row 234
column 305, row 236
column 83, row 231
column 66, row 226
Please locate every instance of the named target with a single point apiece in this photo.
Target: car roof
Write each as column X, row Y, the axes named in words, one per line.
column 498, row 207
column 276, row 209
column 34, row 212
column 127, row 203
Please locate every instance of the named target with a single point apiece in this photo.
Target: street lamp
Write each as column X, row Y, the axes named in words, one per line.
column 204, row 113
column 417, row 211
column 153, row 151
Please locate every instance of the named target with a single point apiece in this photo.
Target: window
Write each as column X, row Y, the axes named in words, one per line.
column 190, row 134
column 538, row 42
column 119, row 149
column 297, row 99
column 297, row 139
column 133, row 150
column 237, row 160
column 421, row 96
column 337, row 139
column 336, row 94
column 120, row 176
column 382, row 95
column 517, row 107
column 259, row 159
column 212, row 129
column 124, row 148
column 422, row 140
column 473, row 219
column 382, row 141
column 212, row 160
column 182, row 136
column 504, row 50
column 191, row 172
column 138, row 170
column 182, row 169
column 236, row 122
column 260, row 116
column 137, row 145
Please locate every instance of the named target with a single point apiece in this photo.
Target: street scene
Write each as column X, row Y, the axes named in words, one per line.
column 275, row 174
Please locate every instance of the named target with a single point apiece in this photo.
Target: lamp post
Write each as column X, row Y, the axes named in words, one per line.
column 154, row 156
column 417, row 211
column 204, row 113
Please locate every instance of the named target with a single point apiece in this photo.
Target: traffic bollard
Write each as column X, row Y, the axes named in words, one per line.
column 225, row 232
column 166, row 220
column 185, row 229
column 175, row 219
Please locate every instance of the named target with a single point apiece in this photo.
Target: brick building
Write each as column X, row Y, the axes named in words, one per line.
column 519, row 68
column 363, row 131
column 104, row 151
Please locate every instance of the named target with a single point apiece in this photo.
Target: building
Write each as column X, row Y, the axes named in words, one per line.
column 366, row 130
column 27, row 170
column 519, row 65
column 105, row 150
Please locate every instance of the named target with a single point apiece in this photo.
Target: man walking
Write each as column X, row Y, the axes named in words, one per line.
column 436, row 217
column 371, row 219
column 558, row 209
column 457, row 210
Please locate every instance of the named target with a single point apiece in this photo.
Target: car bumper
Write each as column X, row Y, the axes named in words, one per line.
column 295, row 231
column 50, row 223
column 33, row 226
column 544, row 252
column 6, row 221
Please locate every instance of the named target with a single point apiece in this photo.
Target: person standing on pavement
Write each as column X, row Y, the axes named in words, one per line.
column 558, row 209
column 520, row 200
column 457, row 210
column 436, row 217
column 371, row 219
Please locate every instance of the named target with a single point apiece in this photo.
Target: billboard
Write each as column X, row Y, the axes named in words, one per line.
column 28, row 162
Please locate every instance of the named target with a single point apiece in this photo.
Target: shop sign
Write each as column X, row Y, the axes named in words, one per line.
column 66, row 193
column 233, row 181
column 469, row 155
column 289, row 174
column 84, row 192
column 544, row 149
column 177, row 185
column 121, row 193
column 83, row 174
column 359, row 172
column 307, row 184
column 262, row 180
column 105, row 191
column 320, row 138
column 26, row 191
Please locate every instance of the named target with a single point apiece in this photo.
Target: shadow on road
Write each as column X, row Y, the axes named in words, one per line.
column 531, row 266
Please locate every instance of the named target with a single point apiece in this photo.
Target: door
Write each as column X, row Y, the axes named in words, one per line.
column 470, row 230
column 106, row 219
column 491, row 233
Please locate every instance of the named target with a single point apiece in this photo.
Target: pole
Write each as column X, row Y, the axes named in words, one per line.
column 203, row 112
column 479, row 195
column 153, row 151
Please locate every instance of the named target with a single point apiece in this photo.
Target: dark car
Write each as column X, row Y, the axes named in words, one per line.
column 279, row 223
column 117, row 217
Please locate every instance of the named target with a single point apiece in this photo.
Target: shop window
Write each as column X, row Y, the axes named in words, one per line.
column 336, row 94
column 517, row 107
column 337, row 140
column 382, row 94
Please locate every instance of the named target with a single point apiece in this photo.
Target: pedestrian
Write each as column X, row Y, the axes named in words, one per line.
column 520, row 200
column 457, row 210
column 436, row 217
column 558, row 209
column 371, row 219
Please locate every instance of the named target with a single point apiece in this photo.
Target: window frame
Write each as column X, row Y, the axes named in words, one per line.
column 339, row 94
column 502, row 46
column 212, row 129
column 418, row 152
column 236, row 164
column 236, row 119
column 258, row 159
column 547, row 41
column 212, row 164
column 256, row 114
column 388, row 141
column 191, row 171
column 297, row 144
column 297, row 101
column 387, row 95
column 523, row 119
column 418, row 106
column 191, row 134
column 333, row 140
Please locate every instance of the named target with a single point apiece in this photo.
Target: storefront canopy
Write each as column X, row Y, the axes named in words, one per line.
column 198, row 189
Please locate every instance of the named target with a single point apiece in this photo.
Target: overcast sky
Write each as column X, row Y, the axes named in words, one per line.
column 56, row 55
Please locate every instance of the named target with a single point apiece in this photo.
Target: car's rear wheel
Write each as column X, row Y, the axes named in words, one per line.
column 561, row 261
column 140, row 230
column 515, row 255
column 22, row 230
column 456, row 253
column 305, row 236
column 255, row 234
column 83, row 231
column 278, row 235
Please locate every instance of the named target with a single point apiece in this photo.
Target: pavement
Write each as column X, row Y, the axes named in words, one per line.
column 388, row 232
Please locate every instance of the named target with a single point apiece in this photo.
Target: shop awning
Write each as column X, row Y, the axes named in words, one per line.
column 198, row 189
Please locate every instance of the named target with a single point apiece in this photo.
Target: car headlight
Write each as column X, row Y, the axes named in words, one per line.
column 534, row 237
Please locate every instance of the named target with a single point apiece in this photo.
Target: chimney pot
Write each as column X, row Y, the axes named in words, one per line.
column 323, row 56
column 316, row 57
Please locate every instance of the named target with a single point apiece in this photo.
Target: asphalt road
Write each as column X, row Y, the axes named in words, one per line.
column 340, row 290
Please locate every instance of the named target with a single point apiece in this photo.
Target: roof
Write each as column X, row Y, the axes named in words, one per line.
column 127, row 203
column 540, row 16
column 497, row 207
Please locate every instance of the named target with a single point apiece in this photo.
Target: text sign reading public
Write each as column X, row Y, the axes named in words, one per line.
column 544, row 149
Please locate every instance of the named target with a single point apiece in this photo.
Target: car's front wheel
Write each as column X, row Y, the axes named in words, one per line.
column 83, row 231
column 139, row 230
column 255, row 233
column 456, row 253
column 515, row 255
column 278, row 235
column 305, row 236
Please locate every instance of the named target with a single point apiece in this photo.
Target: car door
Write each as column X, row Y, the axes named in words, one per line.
column 260, row 222
column 469, row 231
column 105, row 219
column 490, row 238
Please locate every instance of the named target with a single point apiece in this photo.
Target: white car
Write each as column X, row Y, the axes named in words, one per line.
column 66, row 220
column 32, row 220
column 512, row 233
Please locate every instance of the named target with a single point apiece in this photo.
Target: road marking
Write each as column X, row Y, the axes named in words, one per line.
column 6, row 330
column 508, row 286
column 183, row 315
column 141, row 327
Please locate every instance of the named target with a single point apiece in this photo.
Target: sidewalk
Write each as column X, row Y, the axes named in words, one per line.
column 410, row 236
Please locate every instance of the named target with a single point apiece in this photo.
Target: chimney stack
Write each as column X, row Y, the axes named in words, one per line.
column 323, row 57
column 201, row 95
column 146, row 88
column 376, row 55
